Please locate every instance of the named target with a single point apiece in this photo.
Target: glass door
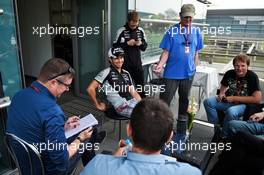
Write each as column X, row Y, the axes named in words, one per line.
column 90, row 48
column 10, row 68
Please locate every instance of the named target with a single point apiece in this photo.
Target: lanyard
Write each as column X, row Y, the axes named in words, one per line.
column 35, row 89
column 188, row 35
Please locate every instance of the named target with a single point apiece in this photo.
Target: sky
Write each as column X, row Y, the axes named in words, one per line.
column 159, row 6
column 236, row 4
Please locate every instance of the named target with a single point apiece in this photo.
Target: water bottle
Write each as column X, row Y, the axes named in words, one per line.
column 126, row 144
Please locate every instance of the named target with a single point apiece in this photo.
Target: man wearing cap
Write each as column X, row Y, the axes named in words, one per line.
column 180, row 45
column 116, row 83
column 132, row 39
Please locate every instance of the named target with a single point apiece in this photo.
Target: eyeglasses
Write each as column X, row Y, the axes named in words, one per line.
column 66, row 85
column 70, row 70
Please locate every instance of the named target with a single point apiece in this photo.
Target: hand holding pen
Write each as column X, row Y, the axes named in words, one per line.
column 72, row 122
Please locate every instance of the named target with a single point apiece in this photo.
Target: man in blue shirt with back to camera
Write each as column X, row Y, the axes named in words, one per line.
column 150, row 128
column 35, row 117
column 180, row 45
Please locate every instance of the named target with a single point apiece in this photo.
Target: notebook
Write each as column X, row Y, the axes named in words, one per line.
column 85, row 122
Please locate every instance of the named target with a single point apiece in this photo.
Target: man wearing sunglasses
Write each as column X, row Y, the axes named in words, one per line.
column 35, row 117
column 180, row 45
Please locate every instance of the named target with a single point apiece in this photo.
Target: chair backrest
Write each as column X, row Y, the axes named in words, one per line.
column 154, row 82
column 26, row 156
column 152, row 75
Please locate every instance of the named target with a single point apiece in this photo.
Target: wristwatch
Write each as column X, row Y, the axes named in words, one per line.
column 79, row 138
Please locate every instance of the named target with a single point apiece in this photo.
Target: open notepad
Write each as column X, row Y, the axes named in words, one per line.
column 85, row 122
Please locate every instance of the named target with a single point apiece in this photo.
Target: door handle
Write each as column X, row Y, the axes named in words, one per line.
column 103, row 33
column 1, row 11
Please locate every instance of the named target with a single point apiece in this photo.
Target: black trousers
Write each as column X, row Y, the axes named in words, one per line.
column 137, row 74
column 184, row 87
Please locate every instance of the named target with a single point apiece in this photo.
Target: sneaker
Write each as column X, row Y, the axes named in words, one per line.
column 100, row 137
column 179, row 139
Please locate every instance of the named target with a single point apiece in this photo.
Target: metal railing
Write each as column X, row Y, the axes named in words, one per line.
column 220, row 50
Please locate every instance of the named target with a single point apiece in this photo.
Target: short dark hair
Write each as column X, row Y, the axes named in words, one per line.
column 53, row 68
column 242, row 58
column 151, row 123
column 132, row 16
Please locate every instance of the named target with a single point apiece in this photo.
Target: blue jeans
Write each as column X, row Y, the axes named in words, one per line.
column 232, row 112
column 251, row 127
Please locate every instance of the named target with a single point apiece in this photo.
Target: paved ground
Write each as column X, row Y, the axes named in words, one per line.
column 78, row 106
column 73, row 105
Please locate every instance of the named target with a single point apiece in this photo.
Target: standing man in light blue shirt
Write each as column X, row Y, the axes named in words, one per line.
column 180, row 45
column 150, row 128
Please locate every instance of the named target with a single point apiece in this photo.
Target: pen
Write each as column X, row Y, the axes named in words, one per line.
column 77, row 119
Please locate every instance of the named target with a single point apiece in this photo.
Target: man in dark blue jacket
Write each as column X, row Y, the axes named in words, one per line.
column 35, row 117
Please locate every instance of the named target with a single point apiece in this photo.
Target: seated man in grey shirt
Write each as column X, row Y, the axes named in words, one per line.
column 116, row 83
